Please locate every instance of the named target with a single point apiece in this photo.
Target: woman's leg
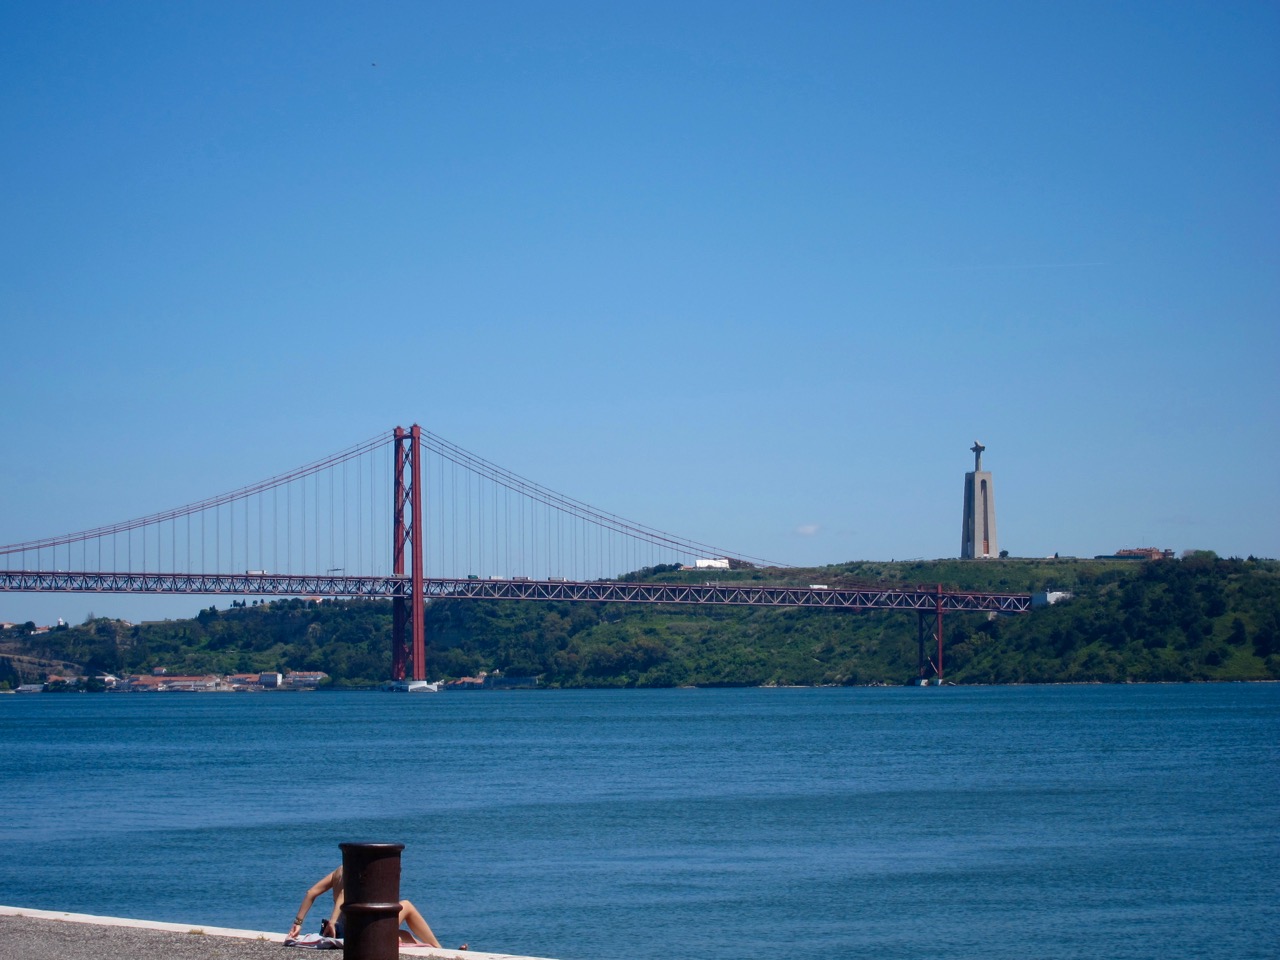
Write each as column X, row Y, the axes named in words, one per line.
column 409, row 915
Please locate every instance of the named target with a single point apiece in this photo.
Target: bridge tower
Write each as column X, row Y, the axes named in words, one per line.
column 407, row 613
column 978, row 537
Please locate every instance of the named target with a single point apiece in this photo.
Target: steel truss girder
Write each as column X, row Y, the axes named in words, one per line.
column 742, row 595
column 250, row 584
column 601, row 591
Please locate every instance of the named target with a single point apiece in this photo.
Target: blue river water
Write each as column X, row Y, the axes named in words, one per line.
column 956, row 822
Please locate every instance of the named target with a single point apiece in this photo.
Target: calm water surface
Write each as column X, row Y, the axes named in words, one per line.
column 1054, row 822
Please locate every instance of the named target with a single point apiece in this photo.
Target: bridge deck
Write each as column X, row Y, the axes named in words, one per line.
column 606, row 591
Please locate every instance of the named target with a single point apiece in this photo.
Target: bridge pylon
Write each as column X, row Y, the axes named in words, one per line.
column 407, row 534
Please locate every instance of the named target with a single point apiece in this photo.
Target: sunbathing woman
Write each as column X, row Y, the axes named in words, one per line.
column 418, row 931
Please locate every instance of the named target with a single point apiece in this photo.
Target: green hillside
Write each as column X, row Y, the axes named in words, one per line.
column 1198, row 618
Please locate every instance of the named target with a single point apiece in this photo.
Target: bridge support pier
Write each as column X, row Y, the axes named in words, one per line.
column 922, row 630
column 939, row 609
column 921, row 662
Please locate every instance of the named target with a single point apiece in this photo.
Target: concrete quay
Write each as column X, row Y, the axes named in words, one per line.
column 27, row 934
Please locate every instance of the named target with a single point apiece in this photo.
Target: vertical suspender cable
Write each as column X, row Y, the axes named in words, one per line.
column 422, row 524
column 441, row 534
column 359, row 518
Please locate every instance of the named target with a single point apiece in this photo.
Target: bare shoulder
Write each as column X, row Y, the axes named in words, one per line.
column 330, row 881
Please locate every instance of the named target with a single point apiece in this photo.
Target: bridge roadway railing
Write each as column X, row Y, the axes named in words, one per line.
column 921, row 598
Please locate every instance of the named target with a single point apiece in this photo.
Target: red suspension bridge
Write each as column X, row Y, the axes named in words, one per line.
column 456, row 526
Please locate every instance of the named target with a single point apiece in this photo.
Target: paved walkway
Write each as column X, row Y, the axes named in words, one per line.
column 49, row 935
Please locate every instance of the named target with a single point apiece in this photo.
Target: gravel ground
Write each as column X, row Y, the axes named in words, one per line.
column 26, row 938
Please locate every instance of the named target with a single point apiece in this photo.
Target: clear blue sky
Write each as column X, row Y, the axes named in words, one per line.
column 754, row 273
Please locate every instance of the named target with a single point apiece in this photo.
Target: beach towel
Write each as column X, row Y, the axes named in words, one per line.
column 314, row 941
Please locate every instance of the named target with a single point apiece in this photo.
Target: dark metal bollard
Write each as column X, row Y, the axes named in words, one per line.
column 371, row 891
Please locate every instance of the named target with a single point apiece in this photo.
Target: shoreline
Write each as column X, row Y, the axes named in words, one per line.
column 715, row 686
